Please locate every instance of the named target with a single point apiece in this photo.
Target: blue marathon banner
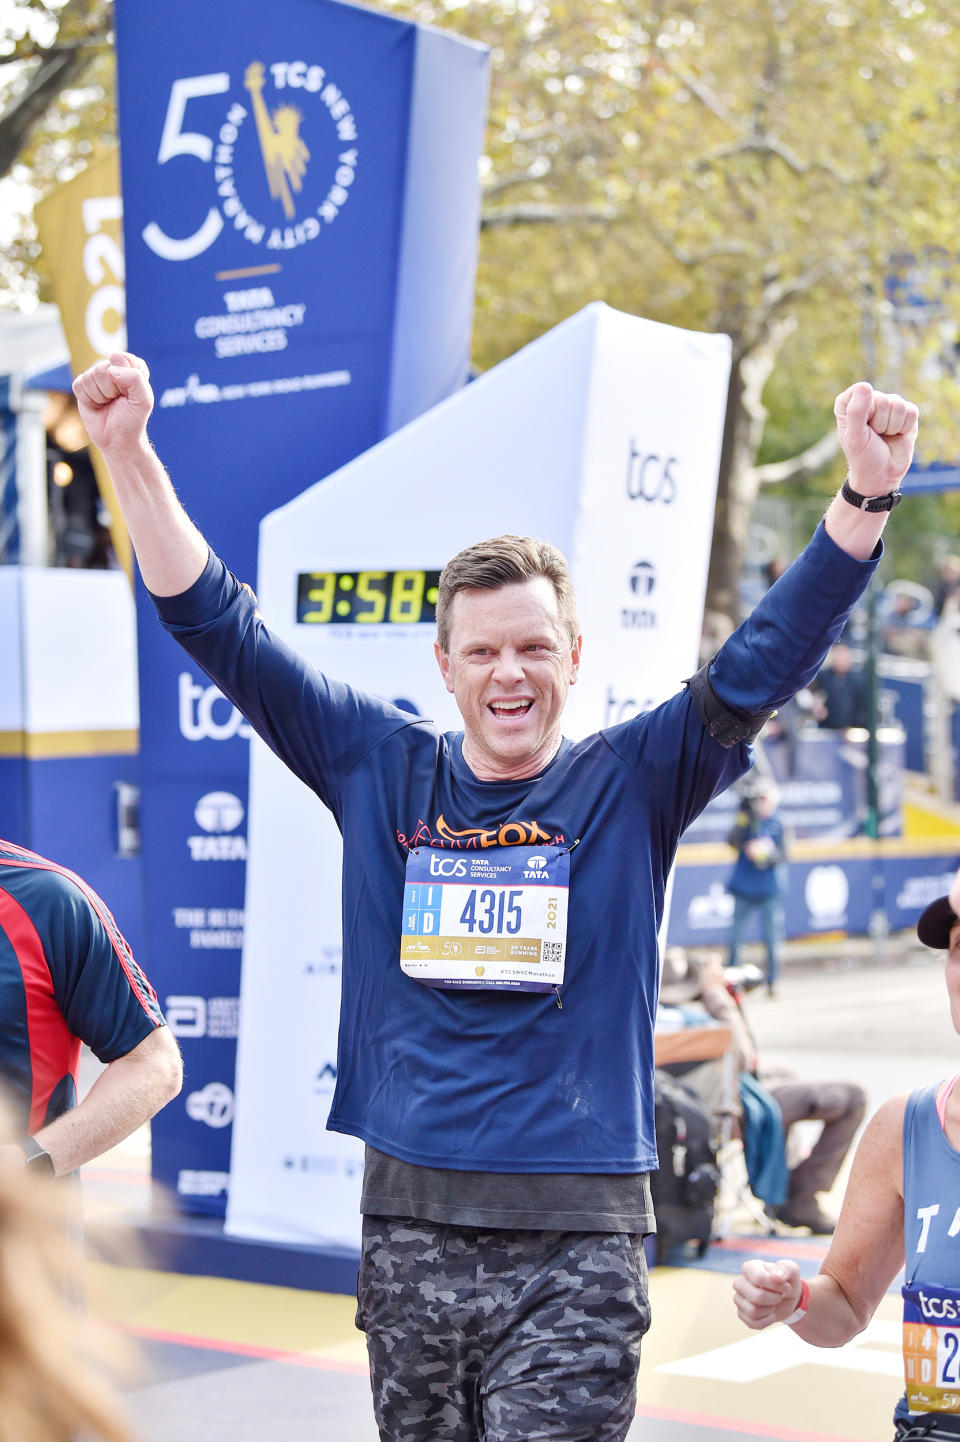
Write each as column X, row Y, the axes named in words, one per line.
column 822, row 780
column 301, row 210
column 832, row 891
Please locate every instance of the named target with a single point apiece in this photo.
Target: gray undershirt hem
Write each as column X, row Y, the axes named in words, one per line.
column 514, row 1201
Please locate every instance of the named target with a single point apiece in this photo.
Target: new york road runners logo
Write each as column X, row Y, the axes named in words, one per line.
column 310, row 184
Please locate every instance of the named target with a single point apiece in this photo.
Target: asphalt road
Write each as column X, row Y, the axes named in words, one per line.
column 228, row 1360
column 883, row 1022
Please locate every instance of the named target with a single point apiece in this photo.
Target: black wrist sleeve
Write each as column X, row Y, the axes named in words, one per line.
column 725, row 724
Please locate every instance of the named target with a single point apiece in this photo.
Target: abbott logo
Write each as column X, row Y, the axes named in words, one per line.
column 196, row 713
column 218, row 811
column 213, row 1106
column 186, row 1015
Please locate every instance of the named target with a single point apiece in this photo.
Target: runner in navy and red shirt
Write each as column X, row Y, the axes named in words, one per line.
column 67, row 976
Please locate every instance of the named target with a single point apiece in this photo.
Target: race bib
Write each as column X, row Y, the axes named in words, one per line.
column 496, row 918
column 931, row 1348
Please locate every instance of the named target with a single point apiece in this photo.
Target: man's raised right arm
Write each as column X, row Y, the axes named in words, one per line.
column 115, row 403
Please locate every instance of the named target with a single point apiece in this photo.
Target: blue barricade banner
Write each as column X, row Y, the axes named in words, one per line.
column 301, row 211
column 822, row 779
column 830, row 893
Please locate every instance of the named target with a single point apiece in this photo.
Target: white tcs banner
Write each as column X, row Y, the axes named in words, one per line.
column 604, row 437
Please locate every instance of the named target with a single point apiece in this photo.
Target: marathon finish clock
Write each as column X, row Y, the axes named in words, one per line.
column 370, row 598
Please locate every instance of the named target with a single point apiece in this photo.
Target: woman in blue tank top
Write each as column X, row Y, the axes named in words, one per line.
column 901, row 1209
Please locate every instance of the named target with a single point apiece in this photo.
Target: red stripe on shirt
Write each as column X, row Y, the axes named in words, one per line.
column 144, row 992
column 54, row 1050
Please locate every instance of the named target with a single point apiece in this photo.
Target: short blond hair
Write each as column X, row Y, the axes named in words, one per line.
column 503, row 561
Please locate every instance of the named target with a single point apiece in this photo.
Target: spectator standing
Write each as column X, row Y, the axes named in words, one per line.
column 905, row 618
column 948, row 586
column 756, row 882
column 945, row 647
column 67, row 976
column 840, row 692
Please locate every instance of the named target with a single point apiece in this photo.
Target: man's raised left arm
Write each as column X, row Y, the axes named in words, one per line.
column 781, row 646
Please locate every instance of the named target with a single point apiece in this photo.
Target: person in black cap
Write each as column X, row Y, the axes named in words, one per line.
column 901, row 1209
column 939, row 919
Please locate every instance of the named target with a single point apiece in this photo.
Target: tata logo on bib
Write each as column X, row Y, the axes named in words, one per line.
column 284, row 155
column 536, row 869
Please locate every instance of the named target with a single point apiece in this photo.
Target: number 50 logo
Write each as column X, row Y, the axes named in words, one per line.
column 285, row 160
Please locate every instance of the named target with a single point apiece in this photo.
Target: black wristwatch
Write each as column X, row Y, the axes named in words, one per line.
column 39, row 1161
column 871, row 503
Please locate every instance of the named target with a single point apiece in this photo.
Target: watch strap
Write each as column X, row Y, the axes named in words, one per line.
column 39, row 1161
column 801, row 1307
column 871, row 503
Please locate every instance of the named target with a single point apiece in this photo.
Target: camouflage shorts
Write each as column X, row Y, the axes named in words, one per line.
column 504, row 1336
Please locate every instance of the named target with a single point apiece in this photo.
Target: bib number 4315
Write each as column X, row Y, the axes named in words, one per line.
column 487, row 911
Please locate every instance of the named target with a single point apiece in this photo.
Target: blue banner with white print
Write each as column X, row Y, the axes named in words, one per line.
column 301, row 211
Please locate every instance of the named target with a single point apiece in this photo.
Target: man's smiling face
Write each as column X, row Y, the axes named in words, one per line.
column 510, row 666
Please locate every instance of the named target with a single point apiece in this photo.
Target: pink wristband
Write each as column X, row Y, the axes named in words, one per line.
column 801, row 1307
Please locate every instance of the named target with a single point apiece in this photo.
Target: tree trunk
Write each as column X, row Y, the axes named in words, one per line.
column 738, row 481
column 83, row 28
column 726, row 553
column 57, row 69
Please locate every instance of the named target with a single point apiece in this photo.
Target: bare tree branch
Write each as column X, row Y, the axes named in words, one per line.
column 500, row 183
column 778, row 293
column 690, row 259
column 542, row 213
column 687, row 258
column 769, row 145
column 700, row 92
column 798, row 467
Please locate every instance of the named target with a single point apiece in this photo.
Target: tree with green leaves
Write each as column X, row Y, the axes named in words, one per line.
column 56, row 104
column 785, row 171
column 762, row 169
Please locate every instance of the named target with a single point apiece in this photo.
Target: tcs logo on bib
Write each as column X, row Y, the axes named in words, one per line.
column 447, row 866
